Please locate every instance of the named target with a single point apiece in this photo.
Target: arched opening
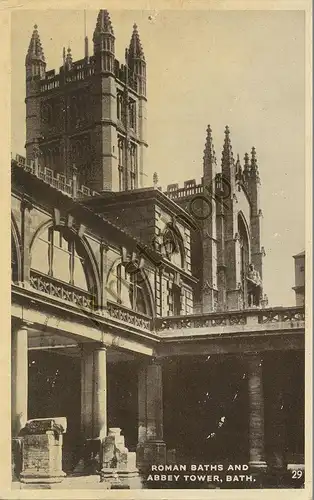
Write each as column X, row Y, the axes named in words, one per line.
column 219, row 434
column 54, row 391
column 244, row 255
column 15, row 256
column 58, row 253
column 128, row 285
column 172, row 246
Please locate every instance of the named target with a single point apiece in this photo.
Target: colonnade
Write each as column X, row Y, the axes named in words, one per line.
column 151, row 447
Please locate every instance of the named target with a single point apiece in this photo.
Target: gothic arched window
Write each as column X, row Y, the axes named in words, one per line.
column 60, row 254
column 128, row 288
column 244, row 252
column 172, row 246
column 14, row 260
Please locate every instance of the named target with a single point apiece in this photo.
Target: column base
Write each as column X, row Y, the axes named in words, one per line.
column 120, row 479
column 41, row 478
column 258, row 465
column 16, row 457
column 151, row 453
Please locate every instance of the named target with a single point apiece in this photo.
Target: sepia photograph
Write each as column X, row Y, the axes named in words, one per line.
column 158, row 249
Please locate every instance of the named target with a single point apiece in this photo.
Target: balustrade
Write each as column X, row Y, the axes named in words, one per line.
column 63, row 291
column 292, row 315
column 123, row 314
column 184, row 192
column 58, row 181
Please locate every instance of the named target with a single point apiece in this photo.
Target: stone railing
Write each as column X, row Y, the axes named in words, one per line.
column 86, row 300
column 174, row 192
column 79, row 71
column 121, row 313
column 248, row 317
column 60, row 290
column 68, row 186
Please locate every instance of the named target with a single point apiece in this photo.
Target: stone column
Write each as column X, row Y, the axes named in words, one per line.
column 256, row 413
column 276, row 407
column 93, row 400
column 19, row 369
column 94, row 391
column 100, row 392
column 151, row 448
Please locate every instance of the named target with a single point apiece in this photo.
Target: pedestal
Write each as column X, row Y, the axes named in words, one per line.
column 118, row 464
column 42, row 451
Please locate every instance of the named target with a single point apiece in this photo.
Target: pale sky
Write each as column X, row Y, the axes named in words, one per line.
column 241, row 68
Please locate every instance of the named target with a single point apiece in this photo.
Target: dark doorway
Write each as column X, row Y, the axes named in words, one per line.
column 123, row 400
column 206, row 409
column 283, row 376
column 55, row 391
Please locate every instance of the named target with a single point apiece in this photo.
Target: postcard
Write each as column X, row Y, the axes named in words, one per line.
column 160, row 250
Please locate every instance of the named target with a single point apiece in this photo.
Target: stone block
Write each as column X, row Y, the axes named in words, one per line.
column 42, row 451
column 118, row 464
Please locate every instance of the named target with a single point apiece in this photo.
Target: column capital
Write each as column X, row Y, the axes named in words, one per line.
column 26, row 203
column 21, row 324
column 93, row 346
column 151, row 361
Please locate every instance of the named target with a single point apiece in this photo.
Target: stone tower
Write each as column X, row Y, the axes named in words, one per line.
column 229, row 236
column 92, row 114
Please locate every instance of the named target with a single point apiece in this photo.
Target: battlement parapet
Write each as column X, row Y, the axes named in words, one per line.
column 190, row 188
column 82, row 70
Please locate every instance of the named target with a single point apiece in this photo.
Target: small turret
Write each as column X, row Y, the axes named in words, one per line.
column 35, row 60
column 136, row 61
column 104, row 43
column 69, row 60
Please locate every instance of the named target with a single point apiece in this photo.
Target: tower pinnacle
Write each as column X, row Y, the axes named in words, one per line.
column 254, row 166
column 35, row 51
column 103, row 24
column 69, row 59
column 209, row 151
column 227, row 154
column 135, row 48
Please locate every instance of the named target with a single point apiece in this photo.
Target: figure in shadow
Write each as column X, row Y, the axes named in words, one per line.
column 254, row 286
